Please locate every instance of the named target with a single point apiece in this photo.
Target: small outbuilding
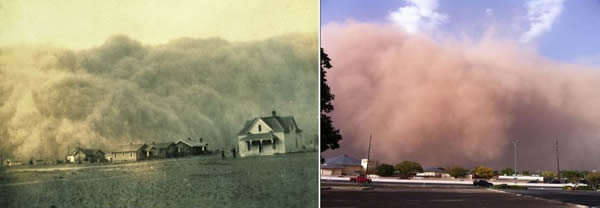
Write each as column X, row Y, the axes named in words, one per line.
column 191, row 146
column 129, row 152
column 86, row 155
column 161, row 150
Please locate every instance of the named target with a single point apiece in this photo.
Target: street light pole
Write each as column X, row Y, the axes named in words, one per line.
column 515, row 142
column 368, row 156
column 557, row 162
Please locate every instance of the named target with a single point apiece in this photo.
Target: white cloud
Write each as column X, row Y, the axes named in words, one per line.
column 489, row 12
column 541, row 15
column 418, row 16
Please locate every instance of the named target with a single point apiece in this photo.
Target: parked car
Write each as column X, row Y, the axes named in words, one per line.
column 482, row 183
column 360, row 179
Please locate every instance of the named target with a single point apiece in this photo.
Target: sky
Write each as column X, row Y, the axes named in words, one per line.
column 83, row 24
column 561, row 30
column 455, row 82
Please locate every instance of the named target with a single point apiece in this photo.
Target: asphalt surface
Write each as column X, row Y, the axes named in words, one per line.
column 588, row 198
column 347, row 195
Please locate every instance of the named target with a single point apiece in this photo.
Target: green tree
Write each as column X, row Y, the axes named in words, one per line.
column 408, row 168
column 548, row 174
column 526, row 173
column 457, row 172
column 571, row 175
column 330, row 136
column 593, row 180
column 483, row 172
column 384, row 170
column 507, row 171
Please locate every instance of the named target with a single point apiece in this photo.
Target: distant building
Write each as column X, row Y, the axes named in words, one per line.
column 191, row 146
column 270, row 135
column 9, row 163
column 161, row 150
column 432, row 172
column 372, row 164
column 341, row 165
column 129, row 152
column 86, row 155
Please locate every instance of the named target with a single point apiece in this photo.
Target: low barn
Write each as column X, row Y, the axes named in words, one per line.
column 86, row 155
column 129, row 152
column 191, row 146
column 161, row 150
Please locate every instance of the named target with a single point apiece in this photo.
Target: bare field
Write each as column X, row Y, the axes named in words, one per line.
column 204, row 181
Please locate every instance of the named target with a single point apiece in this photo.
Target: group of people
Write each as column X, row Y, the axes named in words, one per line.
column 233, row 152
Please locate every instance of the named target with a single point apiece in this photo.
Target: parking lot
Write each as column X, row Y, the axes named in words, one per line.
column 588, row 198
column 349, row 195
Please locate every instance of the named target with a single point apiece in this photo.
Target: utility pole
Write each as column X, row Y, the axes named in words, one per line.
column 515, row 142
column 557, row 162
column 368, row 155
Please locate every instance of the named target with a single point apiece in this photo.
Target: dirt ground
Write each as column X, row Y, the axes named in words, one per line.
column 289, row 180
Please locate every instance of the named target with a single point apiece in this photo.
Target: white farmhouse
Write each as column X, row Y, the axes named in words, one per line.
column 270, row 135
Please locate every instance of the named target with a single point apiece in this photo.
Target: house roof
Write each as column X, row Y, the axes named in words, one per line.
column 128, row 148
column 343, row 160
column 328, row 166
column 432, row 169
column 250, row 136
column 192, row 142
column 163, row 145
column 277, row 123
column 86, row 151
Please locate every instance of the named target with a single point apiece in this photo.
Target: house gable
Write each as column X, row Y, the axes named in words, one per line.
column 260, row 126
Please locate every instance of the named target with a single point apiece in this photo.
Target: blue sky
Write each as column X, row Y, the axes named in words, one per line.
column 561, row 30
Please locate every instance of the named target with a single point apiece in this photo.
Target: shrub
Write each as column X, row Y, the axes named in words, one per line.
column 408, row 168
column 593, row 180
column 507, row 171
column 457, row 172
column 384, row 170
column 483, row 172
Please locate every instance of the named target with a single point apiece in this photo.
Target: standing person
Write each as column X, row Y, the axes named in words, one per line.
column 223, row 153
column 233, row 152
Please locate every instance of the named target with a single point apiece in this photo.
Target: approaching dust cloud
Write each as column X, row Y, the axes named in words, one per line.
column 448, row 102
column 52, row 100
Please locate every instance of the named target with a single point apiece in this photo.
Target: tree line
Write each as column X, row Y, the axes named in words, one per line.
column 408, row 169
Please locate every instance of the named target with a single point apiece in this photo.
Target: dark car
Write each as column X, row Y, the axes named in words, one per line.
column 360, row 179
column 482, row 183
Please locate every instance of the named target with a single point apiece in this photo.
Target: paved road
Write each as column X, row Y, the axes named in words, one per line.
column 425, row 196
column 588, row 198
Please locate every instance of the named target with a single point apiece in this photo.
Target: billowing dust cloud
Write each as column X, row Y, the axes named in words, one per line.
column 52, row 100
column 454, row 103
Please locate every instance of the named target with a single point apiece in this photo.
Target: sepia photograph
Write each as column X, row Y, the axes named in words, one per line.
column 159, row 103
column 430, row 103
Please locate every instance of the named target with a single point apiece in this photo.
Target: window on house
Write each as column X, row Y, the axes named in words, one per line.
column 248, row 145
column 274, row 145
column 259, row 128
column 296, row 142
column 131, row 153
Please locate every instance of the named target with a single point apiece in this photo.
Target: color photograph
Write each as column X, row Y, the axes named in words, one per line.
column 159, row 103
column 428, row 103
